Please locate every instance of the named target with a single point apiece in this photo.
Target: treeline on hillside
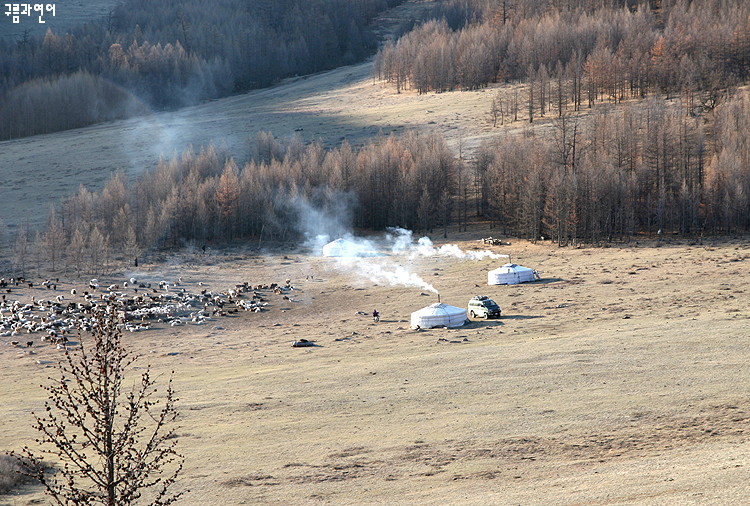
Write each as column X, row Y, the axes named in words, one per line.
column 610, row 176
column 206, row 198
column 611, row 49
column 65, row 102
column 649, row 167
column 170, row 54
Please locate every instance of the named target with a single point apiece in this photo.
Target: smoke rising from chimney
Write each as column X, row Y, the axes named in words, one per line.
column 384, row 260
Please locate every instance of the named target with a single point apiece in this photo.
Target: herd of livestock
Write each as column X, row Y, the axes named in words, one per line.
column 135, row 305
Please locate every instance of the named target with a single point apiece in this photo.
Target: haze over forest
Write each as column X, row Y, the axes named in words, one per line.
column 172, row 54
column 607, row 119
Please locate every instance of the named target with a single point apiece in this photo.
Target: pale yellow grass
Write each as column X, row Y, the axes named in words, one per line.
column 621, row 378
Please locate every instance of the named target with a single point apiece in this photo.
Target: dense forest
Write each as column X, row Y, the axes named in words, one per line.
column 614, row 50
column 205, row 197
column 647, row 167
column 173, row 53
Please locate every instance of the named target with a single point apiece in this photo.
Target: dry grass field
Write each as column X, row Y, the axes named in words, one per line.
column 620, row 378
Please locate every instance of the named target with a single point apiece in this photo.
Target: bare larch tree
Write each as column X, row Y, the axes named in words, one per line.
column 113, row 445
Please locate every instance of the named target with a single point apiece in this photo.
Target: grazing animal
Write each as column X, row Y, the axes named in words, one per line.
column 29, row 344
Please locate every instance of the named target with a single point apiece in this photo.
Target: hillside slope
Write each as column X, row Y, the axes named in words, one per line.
column 344, row 103
column 608, row 382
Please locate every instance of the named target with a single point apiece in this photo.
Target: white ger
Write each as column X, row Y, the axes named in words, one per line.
column 438, row 315
column 511, row 274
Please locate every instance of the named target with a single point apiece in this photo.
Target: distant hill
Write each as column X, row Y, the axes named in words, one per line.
column 170, row 55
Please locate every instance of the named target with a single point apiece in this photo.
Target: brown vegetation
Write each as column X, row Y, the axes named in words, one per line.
column 577, row 53
column 14, row 473
column 114, row 440
column 171, row 55
column 660, row 166
column 639, row 168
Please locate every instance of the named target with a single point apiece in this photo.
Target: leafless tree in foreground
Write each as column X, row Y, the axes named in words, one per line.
column 113, row 444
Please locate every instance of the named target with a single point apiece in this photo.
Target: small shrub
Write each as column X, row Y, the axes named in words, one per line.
column 13, row 473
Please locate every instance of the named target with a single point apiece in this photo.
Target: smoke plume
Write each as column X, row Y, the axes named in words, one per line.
column 384, row 260
column 382, row 271
column 402, row 241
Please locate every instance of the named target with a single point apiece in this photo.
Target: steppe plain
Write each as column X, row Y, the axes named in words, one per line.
column 620, row 378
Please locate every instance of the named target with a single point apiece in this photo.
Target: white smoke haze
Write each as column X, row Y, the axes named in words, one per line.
column 320, row 226
column 384, row 260
column 382, row 271
column 403, row 242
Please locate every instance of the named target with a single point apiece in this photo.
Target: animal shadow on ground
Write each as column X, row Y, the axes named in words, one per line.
column 545, row 281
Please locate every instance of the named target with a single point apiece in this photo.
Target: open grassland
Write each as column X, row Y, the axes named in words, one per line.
column 621, row 377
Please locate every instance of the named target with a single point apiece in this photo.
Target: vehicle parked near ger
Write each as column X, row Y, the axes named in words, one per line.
column 482, row 306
